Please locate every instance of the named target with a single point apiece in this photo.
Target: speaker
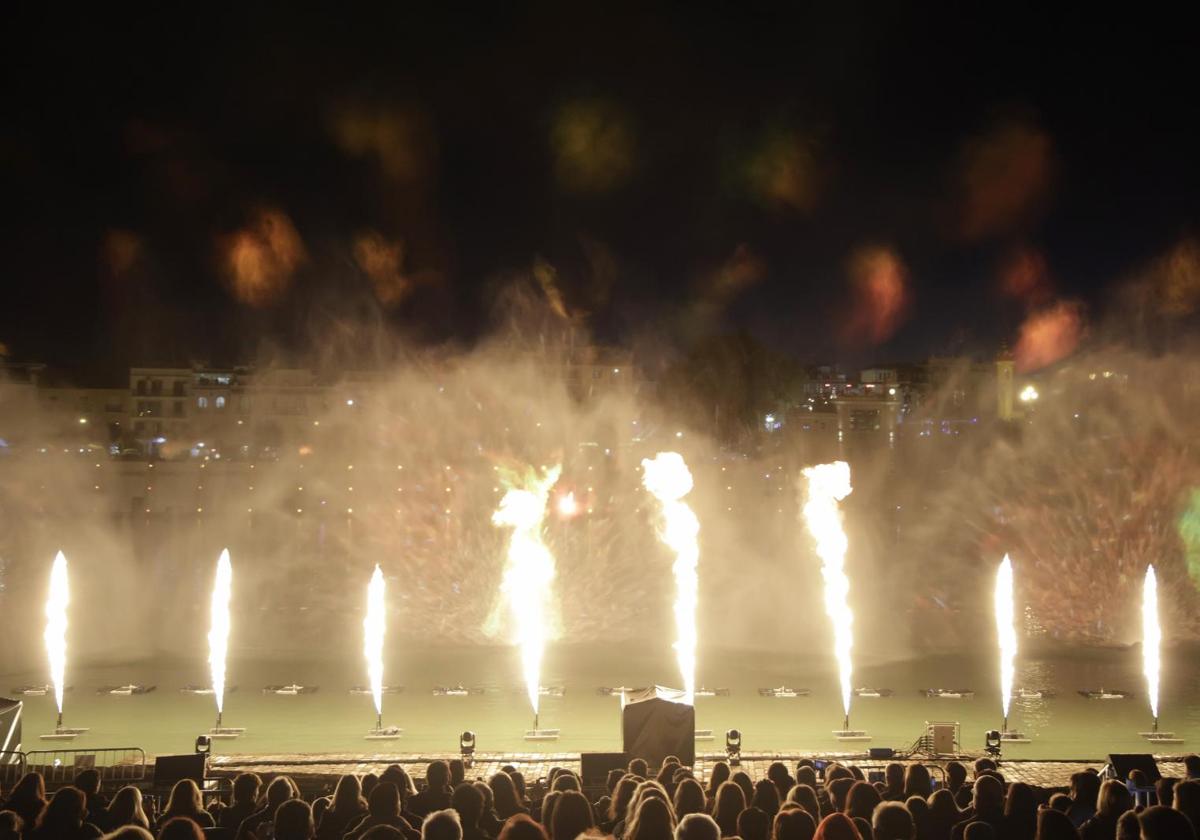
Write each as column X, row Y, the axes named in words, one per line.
column 169, row 769
column 1124, row 763
column 881, row 752
column 654, row 728
column 594, row 767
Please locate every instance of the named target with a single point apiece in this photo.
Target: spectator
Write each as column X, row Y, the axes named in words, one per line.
column 1162, row 823
column 347, row 807
column 63, row 818
column 383, row 808
column 754, row 824
column 613, row 779
column 279, row 791
column 545, row 813
column 383, row 832
column 1085, row 790
column 653, row 820
column 956, row 781
column 1128, row 827
column 943, row 814
column 720, row 775
column 1187, row 800
column 565, row 781
column 489, row 823
column 88, row 781
column 742, row 779
column 979, row 831
column 1191, row 766
column 766, row 797
column 126, row 809
column 180, row 828
column 918, row 809
column 1060, row 802
column 504, row 791
column 11, row 825
column 893, row 781
column 839, row 791
column 294, row 821
column 620, row 804
column 1020, row 812
column 837, row 827
column 442, row 825
column 917, row 781
column 806, row 798
column 861, row 800
column 246, row 787
column 987, row 806
column 521, row 827
column 639, row 768
column 806, row 775
column 689, row 799
column 892, row 821
column 436, row 795
column 731, row 801
column 572, row 816
column 794, row 824
column 458, row 772
column 128, row 832
column 1113, row 801
column 468, row 802
column 1054, row 825
column 779, row 776
column 1164, row 791
column 697, row 826
column 185, row 801
column 27, row 799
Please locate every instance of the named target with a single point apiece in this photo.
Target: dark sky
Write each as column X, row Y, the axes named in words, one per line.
column 684, row 170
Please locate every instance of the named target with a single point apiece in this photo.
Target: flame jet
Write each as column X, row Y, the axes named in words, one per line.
column 1151, row 640
column 374, row 627
column 56, row 627
column 828, row 484
column 668, row 479
column 530, row 572
column 218, row 633
column 1006, row 632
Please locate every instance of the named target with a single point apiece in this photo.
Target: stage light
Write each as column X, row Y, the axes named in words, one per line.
column 466, row 747
column 733, row 747
column 991, row 742
column 203, row 745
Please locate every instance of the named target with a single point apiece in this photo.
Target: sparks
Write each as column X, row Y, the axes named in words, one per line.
column 828, row 484
column 1006, row 631
column 530, row 571
column 669, row 480
column 374, row 627
column 1151, row 638
column 218, row 633
column 56, row 626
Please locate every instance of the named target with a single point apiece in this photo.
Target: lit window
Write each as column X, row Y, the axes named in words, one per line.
column 201, row 402
column 220, row 402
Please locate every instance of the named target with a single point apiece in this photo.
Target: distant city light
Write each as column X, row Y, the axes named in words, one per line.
column 349, row 402
column 1029, row 394
column 567, row 506
column 891, row 392
column 83, row 421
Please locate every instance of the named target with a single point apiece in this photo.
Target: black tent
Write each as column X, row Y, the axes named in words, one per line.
column 657, row 723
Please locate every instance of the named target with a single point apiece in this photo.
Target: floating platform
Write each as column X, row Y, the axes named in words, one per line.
column 541, row 734
column 1014, row 738
column 226, row 732
column 949, row 693
column 784, row 692
column 704, row 735
column 851, row 735
column 386, row 733
column 1104, row 694
column 712, row 692
column 1161, row 737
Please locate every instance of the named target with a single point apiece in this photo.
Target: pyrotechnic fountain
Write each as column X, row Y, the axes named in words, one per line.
column 1151, row 655
column 668, row 479
column 218, row 642
column 374, row 628
column 527, row 580
column 828, row 484
column 1006, row 632
column 56, row 644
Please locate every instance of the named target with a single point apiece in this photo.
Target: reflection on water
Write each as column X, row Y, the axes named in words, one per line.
column 1063, row 726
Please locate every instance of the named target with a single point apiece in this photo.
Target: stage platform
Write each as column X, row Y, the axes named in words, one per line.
column 319, row 773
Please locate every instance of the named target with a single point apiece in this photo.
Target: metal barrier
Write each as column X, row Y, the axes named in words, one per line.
column 12, row 767
column 115, row 764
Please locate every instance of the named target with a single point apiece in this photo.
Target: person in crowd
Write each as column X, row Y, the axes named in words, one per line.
column 185, row 801
column 1020, row 812
column 613, row 779
column 436, row 795
column 639, row 768
column 804, row 796
column 489, row 823
column 987, row 806
column 793, row 823
column 88, row 781
column 689, row 798
column 442, row 825
column 731, row 801
column 956, row 782
column 27, row 798
column 348, row 806
column 383, row 832
column 806, row 775
column 128, row 832
column 293, row 820
column 1054, row 825
column 458, row 772
column 892, row 821
column 697, row 826
column 1187, row 800
column 979, row 830
column 1113, row 800
column 839, row 791
column 1128, row 827
column 1191, row 766
column 777, row 772
column 653, row 820
column 943, row 814
column 572, row 816
column 754, row 824
column 63, row 818
column 742, row 779
column 279, row 791
column 521, row 827
column 565, row 781
column 180, row 828
column 837, row 827
column 125, row 809
column 918, row 809
column 620, row 804
column 383, row 808
column 368, row 784
column 893, row 782
column 718, row 776
column 518, row 780
column 917, row 781
column 1085, row 790
column 11, row 826
column 1164, row 791
column 666, row 775
column 766, row 797
column 246, row 787
column 1162, row 823
column 861, row 800
column 507, row 801
column 545, row 813
column 468, row 802
column 1059, row 802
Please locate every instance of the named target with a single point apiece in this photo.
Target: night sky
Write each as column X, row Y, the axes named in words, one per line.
column 190, row 182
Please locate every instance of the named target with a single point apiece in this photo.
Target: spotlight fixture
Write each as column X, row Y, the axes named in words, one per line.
column 733, row 747
column 466, row 747
column 203, row 745
column 991, row 742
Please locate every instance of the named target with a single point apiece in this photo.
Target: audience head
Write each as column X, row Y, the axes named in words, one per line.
column 837, row 827
column 719, row 775
column 572, row 816
column 521, row 827
column 766, row 797
column 398, row 776
column 1164, row 790
column 754, row 824
column 893, row 778
column 126, row 808
column 652, row 821
column 504, row 795
column 88, row 781
column 1161, row 823
column 619, row 806
column 988, row 794
column 1060, row 802
column 442, row 825
column 294, row 821
column 806, row 775
column 384, row 801
column 127, row 832
column 943, row 810
column 639, row 767
column 979, row 831
column 1055, row 825
column 956, row 775
column 458, row 771
column 892, row 821
column 347, row 796
column 794, row 824
column 839, row 790
column 180, row 828
column 64, row 813
column 689, row 798
column 982, row 764
column 246, row 787
column 697, row 826
column 468, row 801
column 1187, row 799
column 437, row 776
column 917, row 781
column 279, row 791
column 861, row 800
column 731, row 801
column 806, row 797
column 368, row 784
column 1191, row 765
column 1114, row 799
column 11, row 826
column 1128, row 827
column 614, row 777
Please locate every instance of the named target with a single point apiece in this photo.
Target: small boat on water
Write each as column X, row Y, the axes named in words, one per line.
column 126, row 690
column 36, row 690
column 948, row 693
column 712, row 692
column 1104, row 694
column 873, row 692
column 614, row 691
column 784, row 692
column 366, row 689
column 289, row 690
column 206, row 690
column 1032, row 694
column 455, row 691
